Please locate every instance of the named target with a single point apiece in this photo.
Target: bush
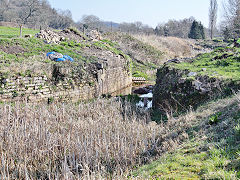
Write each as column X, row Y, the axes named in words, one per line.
column 214, row 119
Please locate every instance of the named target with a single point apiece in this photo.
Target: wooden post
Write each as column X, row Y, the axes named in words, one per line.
column 20, row 30
column 111, row 26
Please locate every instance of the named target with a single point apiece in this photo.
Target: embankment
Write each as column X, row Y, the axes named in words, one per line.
column 26, row 74
column 184, row 84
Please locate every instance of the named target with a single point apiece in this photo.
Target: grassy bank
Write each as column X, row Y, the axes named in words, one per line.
column 212, row 151
column 222, row 63
column 145, row 58
column 12, row 32
column 28, row 55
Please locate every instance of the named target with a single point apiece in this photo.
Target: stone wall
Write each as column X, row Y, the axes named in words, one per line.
column 112, row 80
column 62, row 86
column 43, row 89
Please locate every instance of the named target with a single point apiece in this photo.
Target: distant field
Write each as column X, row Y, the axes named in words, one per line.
column 10, row 32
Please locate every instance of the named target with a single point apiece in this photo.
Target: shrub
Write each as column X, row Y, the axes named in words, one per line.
column 214, row 119
column 237, row 130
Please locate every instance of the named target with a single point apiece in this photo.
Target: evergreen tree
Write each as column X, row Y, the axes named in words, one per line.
column 196, row 31
column 166, row 31
column 202, row 31
column 227, row 34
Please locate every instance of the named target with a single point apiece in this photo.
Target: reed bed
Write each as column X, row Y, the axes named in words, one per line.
column 103, row 139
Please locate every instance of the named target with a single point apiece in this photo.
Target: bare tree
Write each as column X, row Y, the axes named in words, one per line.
column 91, row 21
column 232, row 17
column 34, row 13
column 213, row 17
column 28, row 9
column 61, row 19
column 177, row 28
column 4, row 6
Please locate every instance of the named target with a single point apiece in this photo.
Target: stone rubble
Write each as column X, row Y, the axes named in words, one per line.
column 94, row 35
column 50, row 36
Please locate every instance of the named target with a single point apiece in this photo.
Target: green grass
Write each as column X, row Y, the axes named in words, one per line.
column 11, row 32
column 190, row 163
column 212, row 151
column 141, row 69
column 221, row 63
column 34, row 46
column 140, row 74
column 18, row 52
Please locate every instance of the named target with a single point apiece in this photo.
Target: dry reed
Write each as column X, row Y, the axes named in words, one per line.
column 96, row 140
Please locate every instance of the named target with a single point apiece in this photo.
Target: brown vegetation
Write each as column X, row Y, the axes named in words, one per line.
column 65, row 141
column 172, row 47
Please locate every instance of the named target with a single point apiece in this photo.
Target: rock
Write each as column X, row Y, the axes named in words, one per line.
column 192, row 74
column 50, row 36
column 27, row 35
column 173, row 61
column 150, row 87
column 99, row 66
column 181, row 81
column 204, row 69
column 197, row 85
column 173, row 90
column 95, row 35
column 55, row 56
column 141, row 91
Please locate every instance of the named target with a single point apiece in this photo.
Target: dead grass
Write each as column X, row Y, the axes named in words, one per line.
column 173, row 47
column 97, row 140
column 103, row 139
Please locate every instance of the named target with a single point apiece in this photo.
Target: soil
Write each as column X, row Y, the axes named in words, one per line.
column 67, row 33
column 12, row 49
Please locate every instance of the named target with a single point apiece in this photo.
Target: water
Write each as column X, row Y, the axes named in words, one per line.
column 145, row 99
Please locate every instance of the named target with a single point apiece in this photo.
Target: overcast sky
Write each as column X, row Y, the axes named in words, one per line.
column 149, row 12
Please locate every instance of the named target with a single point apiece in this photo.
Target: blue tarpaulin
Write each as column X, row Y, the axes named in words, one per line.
column 67, row 57
column 54, row 56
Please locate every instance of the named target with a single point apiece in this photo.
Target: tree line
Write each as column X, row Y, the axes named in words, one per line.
column 231, row 24
column 34, row 14
column 182, row 28
column 40, row 14
column 185, row 28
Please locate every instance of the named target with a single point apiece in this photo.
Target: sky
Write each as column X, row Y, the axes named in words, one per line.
column 151, row 12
